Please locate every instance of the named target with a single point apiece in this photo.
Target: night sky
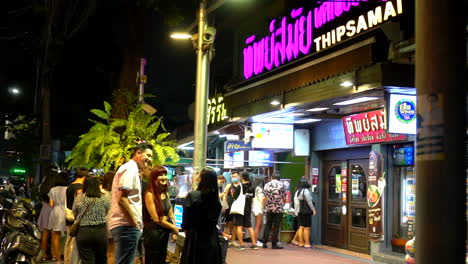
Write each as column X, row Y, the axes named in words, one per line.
column 82, row 77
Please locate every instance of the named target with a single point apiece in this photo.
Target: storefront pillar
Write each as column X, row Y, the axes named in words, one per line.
column 440, row 144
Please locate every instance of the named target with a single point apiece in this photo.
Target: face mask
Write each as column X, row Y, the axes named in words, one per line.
column 235, row 180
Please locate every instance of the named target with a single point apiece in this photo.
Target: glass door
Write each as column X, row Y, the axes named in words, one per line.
column 335, row 220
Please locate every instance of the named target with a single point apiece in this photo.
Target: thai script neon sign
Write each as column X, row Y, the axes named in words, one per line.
column 293, row 36
column 216, row 110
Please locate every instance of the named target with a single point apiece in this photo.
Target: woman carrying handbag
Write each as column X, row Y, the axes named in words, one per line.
column 91, row 209
column 304, row 209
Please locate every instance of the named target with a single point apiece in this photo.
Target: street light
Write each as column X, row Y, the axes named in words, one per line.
column 14, row 90
column 203, row 42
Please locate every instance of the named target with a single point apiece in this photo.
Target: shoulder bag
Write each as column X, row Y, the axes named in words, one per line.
column 238, row 205
column 304, row 208
column 76, row 225
column 69, row 216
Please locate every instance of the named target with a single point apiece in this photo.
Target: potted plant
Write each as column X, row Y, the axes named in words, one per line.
column 287, row 228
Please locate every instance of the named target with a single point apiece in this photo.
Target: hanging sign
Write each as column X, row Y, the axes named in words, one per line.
column 367, row 128
column 375, row 192
column 236, row 145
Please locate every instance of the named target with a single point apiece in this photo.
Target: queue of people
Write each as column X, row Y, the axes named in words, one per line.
column 264, row 201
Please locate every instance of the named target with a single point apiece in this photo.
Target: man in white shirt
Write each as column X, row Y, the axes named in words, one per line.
column 126, row 217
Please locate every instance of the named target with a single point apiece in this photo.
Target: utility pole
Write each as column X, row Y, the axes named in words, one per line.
column 441, row 136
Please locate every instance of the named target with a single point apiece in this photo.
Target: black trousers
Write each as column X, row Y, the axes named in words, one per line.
column 155, row 239
column 92, row 244
column 273, row 223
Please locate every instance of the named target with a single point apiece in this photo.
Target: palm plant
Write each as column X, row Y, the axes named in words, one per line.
column 108, row 143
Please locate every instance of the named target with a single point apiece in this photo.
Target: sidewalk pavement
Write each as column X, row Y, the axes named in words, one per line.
column 291, row 254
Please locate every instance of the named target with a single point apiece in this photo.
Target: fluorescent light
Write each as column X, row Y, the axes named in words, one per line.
column 230, row 136
column 357, row 100
column 318, row 109
column 275, row 102
column 181, row 36
column 293, row 114
column 346, row 84
column 309, row 120
column 187, row 148
column 216, row 132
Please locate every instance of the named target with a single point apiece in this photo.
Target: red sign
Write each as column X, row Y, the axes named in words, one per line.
column 367, row 128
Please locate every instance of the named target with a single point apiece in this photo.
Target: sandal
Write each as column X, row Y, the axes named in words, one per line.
column 53, row 259
column 294, row 242
column 44, row 258
column 307, row 246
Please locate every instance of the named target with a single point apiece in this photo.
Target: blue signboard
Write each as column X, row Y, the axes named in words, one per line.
column 236, row 145
column 258, row 158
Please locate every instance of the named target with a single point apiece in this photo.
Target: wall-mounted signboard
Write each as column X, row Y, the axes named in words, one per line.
column 234, row 160
column 216, row 110
column 402, row 114
column 308, row 29
column 273, row 136
column 368, row 128
column 236, row 145
column 260, row 158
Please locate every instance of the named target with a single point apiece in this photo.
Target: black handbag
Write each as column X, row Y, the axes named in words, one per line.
column 304, row 208
column 76, row 225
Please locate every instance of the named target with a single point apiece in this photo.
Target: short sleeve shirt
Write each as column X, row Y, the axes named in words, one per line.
column 127, row 178
column 275, row 193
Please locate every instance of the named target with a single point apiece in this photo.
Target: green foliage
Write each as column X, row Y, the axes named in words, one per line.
column 109, row 142
column 288, row 222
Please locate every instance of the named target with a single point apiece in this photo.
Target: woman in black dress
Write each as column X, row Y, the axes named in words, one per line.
column 158, row 217
column 201, row 212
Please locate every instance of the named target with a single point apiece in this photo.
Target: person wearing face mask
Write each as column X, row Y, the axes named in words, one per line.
column 228, row 196
column 158, row 217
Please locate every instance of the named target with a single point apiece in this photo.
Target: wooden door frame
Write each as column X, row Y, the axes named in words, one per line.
column 328, row 165
column 364, row 163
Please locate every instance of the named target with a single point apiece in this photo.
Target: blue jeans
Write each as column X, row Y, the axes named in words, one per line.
column 126, row 241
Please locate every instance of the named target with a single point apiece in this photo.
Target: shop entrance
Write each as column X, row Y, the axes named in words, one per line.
column 346, row 204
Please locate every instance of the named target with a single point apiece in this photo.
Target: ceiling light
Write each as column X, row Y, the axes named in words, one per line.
column 357, row 100
column 275, row 102
column 230, row 136
column 318, row 109
column 309, row 120
column 293, row 114
column 216, row 132
column 346, row 84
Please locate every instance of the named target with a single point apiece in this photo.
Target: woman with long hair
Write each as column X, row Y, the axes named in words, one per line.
column 92, row 206
column 43, row 221
column 158, row 217
column 201, row 212
column 303, row 195
column 258, row 204
column 57, row 200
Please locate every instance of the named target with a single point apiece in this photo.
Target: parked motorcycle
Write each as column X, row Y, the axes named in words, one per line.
column 20, row 237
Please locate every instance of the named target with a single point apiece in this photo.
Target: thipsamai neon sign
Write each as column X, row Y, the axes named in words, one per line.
column 292, row 36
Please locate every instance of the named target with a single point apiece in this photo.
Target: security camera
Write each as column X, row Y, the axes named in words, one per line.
column 209, row 35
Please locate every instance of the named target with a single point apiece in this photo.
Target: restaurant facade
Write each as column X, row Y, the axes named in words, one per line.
column 340, row 75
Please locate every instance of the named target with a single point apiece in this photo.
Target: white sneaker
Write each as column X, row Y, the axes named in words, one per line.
column 259, row 244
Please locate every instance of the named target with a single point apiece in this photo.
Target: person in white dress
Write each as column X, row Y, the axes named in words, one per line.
column 57, row 223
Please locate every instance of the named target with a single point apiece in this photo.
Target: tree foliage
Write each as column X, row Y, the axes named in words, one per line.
column 109, row 142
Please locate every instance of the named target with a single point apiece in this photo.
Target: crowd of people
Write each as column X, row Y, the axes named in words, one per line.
column 118, row 218
column 265, row 201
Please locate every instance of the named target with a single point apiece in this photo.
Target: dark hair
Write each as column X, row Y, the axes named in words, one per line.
column 221, row 178
column 107, row 180
column 141, row 147
column 303, row 184
column 62, row 179
column 91, row 187
column 208, row 182
column 47, row 183
column 82, row 172
column 245, row 176
column 154, row 189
